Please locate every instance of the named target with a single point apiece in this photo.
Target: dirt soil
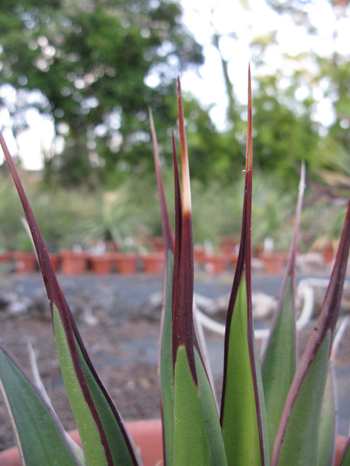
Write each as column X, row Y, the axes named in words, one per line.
column 133, row 386
column 124, row 353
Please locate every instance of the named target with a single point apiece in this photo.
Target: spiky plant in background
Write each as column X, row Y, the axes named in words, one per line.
column 278, row 416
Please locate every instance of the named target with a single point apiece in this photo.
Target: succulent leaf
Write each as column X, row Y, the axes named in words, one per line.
column 165, row 363
column 40, row 438
column 197, row 431
column 243, row 424
column 304, row 400
column 279, row 359
column 109, row 434
column 327, row 428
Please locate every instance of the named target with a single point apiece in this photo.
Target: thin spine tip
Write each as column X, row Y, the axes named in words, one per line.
column 302, row 183
column 185, row 171
column 249, row 151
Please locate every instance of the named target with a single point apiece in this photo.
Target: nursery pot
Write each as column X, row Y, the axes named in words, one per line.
column 228, row 244
column 126, row 264
column 216, row 263
column 73, row 263
column 274, row 262
column 199, row 254
column 101, row 264
column 55, row 261
column 158, row 243
column 25, row 262
column 153, row 263
column 5, row 257
column 147, row 436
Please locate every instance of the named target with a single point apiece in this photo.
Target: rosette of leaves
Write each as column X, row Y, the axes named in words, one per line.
column 278, row 414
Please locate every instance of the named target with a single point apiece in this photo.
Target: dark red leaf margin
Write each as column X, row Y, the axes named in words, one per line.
column 55, row 296
column 326, row 321
column 243, row 272
column 183, row 281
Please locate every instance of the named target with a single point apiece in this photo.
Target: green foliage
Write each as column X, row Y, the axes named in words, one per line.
column 90, row 61
column 193, row 431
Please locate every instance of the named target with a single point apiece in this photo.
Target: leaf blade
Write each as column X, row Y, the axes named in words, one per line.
column 323, row 330
column 40, row 439
column 250, row 419
column 65, row 318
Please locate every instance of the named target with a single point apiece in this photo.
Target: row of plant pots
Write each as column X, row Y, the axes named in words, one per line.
column 77, row 263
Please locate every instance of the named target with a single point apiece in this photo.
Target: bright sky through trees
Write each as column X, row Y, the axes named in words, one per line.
column 246, row 20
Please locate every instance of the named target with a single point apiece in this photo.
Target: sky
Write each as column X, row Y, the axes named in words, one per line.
column 247, row 19
column 207, row 17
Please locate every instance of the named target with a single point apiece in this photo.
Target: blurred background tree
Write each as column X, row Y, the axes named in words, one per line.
column 94, row 67
column 84, row 64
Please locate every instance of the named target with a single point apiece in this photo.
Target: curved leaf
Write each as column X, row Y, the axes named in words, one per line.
column 109, row 436
column 197, row 431
column 243, row 417
column 279, row 359
column 40, row 439
column 327, row 428
column 301, row 399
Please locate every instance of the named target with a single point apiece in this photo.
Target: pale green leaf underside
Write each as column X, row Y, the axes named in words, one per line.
column 89, row 434
column 197, row 433
column 166, row 369
column 240, row 423
column 326, row 435
column 279, row 363
column 39, row 437
column 115, row 437
column 300, row 441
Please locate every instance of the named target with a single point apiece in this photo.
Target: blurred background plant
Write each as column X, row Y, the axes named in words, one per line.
column 76, row 81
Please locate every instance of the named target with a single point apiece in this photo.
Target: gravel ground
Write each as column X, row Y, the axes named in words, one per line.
column 124, row 344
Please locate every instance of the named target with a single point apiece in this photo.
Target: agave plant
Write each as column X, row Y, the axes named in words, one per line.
column 277, row 412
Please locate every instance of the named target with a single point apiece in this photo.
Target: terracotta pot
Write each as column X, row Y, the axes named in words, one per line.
column 147, row 436
column 339, row 447
column 233, row 258
column 215, row 263
column 5, row 257
column 158, row 243
column 274, row 262
column 329, row 252
column 199, row 254
column 126, row 264
column 228, row 244
column 101, row 264
column 55, row 261
column 153, row 263
column 25, row 262
column 73, row 263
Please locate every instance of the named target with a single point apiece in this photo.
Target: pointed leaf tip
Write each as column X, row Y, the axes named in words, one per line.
column 185, row 171
column 166, row 227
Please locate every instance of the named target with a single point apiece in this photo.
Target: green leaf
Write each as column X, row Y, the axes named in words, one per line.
column 81, row 380
column 279, row 363
column 40, row 439
column 243, row 416
column 296, row 436
column 166, row 371
column 114, row 431
column 280, row 357
column 89, row 433
column 300, row 440
column 197, row 433
column 239, row 420
column 326, row 434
